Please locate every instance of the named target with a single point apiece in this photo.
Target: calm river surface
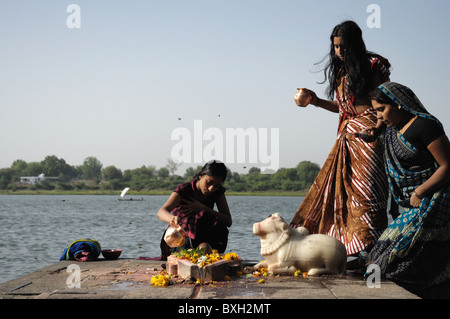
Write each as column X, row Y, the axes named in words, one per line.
column 35, row 229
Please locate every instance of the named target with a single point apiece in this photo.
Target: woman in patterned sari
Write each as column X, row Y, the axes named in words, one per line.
column 414, row 251
column 349, row 196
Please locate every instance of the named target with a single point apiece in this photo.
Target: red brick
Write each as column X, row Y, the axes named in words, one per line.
column 172, row 265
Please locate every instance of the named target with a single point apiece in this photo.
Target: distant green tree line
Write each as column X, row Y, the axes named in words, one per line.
column 91, row 175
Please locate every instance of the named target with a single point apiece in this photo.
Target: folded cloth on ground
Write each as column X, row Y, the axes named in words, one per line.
column 82, row 250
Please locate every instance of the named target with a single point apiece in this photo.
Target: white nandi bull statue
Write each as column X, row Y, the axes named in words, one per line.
column 286, row 250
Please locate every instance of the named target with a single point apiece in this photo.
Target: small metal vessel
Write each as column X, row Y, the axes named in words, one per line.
column 302, row 98
column 175, row 236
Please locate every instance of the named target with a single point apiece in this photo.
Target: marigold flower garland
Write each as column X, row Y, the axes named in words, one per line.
column 264, row 272
column 197, row 256
column 161, row 280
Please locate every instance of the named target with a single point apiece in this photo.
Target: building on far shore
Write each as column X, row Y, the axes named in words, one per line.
column 37, row 179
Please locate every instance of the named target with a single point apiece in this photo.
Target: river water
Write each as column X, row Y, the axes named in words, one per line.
column 35, row 229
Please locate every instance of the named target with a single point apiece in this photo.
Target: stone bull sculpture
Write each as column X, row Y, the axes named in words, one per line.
column 285, row 249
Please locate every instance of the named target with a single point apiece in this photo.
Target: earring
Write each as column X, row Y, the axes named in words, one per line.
column 399, row 107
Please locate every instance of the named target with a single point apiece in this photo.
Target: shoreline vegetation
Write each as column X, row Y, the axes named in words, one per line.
column 135, row 194
column 53, row 176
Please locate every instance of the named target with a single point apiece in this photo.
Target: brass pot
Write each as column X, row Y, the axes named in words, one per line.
column 175, row 236
column 302, row 97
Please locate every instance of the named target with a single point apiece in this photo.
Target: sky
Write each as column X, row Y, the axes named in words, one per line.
column 129, row 82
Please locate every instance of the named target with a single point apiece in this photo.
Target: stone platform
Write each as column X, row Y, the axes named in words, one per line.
column 130, row 279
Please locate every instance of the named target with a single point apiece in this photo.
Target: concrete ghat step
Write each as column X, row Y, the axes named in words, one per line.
column 130, row 279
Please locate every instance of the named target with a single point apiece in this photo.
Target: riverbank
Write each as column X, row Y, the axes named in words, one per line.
column 137, row 194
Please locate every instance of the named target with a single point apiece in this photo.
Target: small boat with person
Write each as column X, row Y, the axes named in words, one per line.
column 123, row 198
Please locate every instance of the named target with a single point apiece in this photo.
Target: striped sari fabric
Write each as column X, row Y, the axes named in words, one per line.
column 348, row 198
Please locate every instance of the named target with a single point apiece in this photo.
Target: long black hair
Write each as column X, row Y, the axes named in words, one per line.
column 356, row 61
column 213, row 168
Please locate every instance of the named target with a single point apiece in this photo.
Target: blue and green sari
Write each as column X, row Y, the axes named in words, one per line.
column 414, row 251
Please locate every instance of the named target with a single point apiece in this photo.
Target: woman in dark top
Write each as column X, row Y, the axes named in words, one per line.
column 414, row 251
column 191, row 206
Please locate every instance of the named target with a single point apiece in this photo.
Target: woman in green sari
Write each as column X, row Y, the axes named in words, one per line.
column 414, row 251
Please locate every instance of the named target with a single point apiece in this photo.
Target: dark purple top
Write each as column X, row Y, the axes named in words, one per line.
column 189, row 223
